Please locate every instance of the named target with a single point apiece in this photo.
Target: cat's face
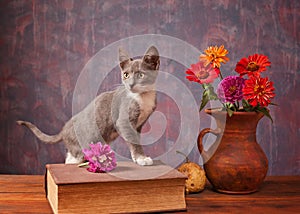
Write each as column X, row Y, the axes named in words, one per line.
column 139, row 75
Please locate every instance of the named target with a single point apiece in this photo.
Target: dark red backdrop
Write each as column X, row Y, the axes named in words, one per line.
column 45, row 44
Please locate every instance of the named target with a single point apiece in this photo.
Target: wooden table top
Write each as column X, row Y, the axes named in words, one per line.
column 278, row 194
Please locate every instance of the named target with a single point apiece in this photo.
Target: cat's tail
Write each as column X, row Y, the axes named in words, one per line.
column 51, row 139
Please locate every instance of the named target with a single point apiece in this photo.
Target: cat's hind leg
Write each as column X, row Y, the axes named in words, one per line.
column 70, row 159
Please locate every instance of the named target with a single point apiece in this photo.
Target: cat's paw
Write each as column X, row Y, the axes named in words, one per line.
column 144, row 161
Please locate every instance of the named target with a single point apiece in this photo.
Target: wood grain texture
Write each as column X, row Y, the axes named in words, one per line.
column 44, row 45
column 129, row 196
column 128, row 188
column 23, row 194
column 278, row 194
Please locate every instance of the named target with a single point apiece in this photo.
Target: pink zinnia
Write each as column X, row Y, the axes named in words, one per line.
column 202, row 74
column 100, row 157
column 230, row 89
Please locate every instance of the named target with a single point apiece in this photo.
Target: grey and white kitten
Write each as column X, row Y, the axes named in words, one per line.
column 120, row 112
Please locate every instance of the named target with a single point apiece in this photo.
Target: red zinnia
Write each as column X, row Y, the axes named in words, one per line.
column 201, row 74
column 252, row 65
column 258, row 90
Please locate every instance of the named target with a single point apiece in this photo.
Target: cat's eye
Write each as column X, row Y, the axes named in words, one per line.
column 141, row 75
column 126, row 75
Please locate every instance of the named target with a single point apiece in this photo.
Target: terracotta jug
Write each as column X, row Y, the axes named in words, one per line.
column 235, row 164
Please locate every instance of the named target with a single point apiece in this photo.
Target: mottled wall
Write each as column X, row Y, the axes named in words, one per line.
column 45, row 44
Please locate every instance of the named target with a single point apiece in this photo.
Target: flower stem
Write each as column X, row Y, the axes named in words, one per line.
column 237, row 105
column 221, row 76
column 83, row 164
column 186, row 158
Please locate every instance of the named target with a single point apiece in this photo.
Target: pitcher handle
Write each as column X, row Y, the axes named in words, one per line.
column 204, row 132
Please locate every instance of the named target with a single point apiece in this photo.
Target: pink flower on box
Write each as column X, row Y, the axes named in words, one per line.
column 100, row 158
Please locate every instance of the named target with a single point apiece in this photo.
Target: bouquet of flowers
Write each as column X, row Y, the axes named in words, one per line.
column 248, row 91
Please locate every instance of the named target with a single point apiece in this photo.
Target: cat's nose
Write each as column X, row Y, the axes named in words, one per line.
column 131, row 85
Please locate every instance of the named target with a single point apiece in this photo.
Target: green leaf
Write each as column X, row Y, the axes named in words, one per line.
column 211, row 93
column 208, row 94
column 265, row 112
column 231, row 106
column 229, row 111
column 247, row 107
column 204, row 101
column 245, row 103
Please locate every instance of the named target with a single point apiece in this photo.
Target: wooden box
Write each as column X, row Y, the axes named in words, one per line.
column 129, row 188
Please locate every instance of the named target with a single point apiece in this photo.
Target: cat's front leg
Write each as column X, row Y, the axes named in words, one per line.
column 132, row 138
column 138, row 156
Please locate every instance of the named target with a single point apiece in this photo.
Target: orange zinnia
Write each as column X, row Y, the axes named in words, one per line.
column 214, row 55
column 258, row 90
column 253, row 65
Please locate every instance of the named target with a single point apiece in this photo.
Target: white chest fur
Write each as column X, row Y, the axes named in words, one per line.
column 147, row 105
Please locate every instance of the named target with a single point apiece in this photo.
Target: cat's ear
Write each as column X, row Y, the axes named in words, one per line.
column 124, row 58
column 151, row 58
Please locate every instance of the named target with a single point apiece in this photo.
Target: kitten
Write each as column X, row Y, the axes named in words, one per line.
column 120, row 112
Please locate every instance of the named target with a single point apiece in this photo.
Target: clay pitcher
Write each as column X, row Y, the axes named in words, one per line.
column 235, row 164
